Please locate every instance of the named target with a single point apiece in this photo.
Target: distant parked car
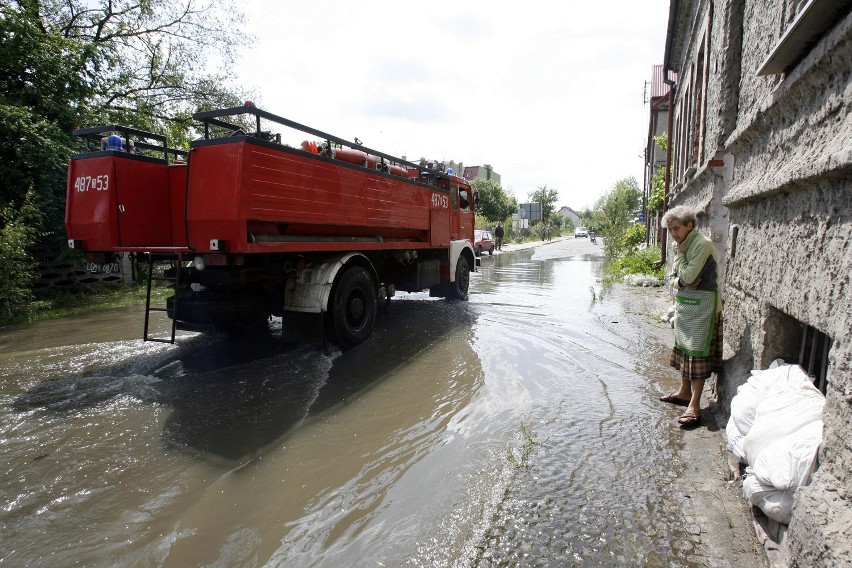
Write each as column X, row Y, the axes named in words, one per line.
column 483, row 240
column 581, row 232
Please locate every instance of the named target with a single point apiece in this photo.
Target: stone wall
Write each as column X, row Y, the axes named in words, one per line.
column 783, row 194
column 64, row 271
column 791, row 263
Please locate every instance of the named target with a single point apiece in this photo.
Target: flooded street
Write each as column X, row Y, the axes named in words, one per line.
column 519, row 428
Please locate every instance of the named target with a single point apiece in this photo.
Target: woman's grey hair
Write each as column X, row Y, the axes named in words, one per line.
column 682, row 214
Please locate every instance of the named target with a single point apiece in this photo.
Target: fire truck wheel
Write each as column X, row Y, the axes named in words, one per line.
column 458, row 289
column 352, row 310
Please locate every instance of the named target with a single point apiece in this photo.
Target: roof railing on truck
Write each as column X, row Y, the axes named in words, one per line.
column 213, row 118
column 130, row 140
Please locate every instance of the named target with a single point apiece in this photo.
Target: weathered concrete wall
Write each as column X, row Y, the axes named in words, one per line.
column 791, row 207
column 784, row 196
column 705, row 189
column 723, row 89
column 793, row 261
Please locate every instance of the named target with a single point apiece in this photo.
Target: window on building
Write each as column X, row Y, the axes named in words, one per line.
column 690, row 115
column 795, row 342
column 803, row 24
column 813, row 355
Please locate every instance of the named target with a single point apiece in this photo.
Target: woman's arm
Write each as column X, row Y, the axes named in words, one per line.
column 692, row 263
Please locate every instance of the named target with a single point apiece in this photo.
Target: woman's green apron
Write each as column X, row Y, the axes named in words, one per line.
column 695, row 321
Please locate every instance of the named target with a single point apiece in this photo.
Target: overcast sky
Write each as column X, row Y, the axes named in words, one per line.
column 547, row 92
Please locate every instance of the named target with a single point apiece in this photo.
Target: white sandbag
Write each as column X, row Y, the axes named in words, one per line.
column 782, row 414
column 777, row 504
column 735, row 440
column 788, row 462
column 761, row 385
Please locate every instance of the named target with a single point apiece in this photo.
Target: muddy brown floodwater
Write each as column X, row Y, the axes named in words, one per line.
column 518, row 428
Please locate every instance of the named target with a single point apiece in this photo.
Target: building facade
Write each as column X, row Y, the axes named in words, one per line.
column 481, row 172
column 659, row 99
column 761, row 147
column 568, row 213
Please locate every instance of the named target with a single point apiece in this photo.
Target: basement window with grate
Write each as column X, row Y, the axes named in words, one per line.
column 795, row 342
column 813, row 355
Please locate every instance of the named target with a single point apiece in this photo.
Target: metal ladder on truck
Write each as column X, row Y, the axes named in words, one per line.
column 151, row 278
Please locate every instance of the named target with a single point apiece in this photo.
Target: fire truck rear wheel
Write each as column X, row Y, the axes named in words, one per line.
column 352, row 310
column 458, row 289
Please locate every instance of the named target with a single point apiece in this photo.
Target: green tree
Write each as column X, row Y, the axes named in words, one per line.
column 150, row 57
column 80, row 62
column 494, row 203
column 658, row 180
column 591, row 219
column 547, row 196
column 41, row 86
column 617, row 208
column 17, row 266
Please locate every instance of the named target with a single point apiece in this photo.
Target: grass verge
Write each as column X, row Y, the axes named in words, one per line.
column 58, row 303
column 636, row 268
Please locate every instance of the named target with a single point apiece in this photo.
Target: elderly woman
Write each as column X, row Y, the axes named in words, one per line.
column 698, row 325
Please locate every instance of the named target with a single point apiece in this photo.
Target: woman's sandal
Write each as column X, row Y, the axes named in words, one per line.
column 671, row 398
column 689, row 419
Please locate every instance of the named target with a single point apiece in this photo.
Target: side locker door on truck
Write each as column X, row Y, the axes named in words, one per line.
column 90, row 213
column 439, row 219
column 143, row 201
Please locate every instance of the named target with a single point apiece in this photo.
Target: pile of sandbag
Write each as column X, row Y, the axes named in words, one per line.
column 776, row 429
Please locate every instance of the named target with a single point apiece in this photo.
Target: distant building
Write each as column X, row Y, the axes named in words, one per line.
column 655, row 157
column 481, row 172
column 570, row 214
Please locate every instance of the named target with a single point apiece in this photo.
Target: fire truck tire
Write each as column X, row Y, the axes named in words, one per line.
column 352, row 309
column 458, row 289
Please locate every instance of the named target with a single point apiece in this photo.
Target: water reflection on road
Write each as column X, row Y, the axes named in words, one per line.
column 510, row 429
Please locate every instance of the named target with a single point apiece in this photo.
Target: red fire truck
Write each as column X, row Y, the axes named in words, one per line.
column 321, row 231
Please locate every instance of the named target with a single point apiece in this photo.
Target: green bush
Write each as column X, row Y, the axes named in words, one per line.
column 636, row 262
column 18, row 268
column 633, row 237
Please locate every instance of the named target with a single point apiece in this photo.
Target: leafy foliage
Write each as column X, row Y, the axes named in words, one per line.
column 79, row 62
column 547, row 196
column 18, row 269
column 633, row 237
column 494, row 203
column 591, row 219
column 149, row 60
column 658, row 180
column 616, row 210
column 641, row 261
column 40, row 88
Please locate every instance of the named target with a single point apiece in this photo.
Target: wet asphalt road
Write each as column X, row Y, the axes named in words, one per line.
column 518, row 428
